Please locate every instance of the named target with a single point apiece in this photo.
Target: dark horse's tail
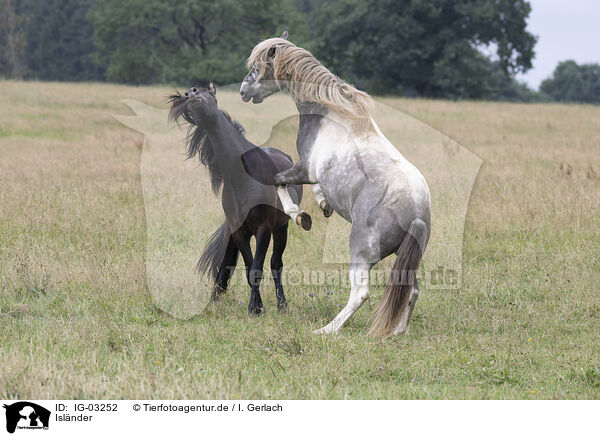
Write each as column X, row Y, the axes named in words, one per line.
column 214, row 252
column 402, row 278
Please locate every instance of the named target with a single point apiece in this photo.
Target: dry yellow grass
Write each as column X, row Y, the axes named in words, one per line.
column 78, row 321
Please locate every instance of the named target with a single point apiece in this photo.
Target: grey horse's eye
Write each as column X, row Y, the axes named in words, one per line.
column 253, row 75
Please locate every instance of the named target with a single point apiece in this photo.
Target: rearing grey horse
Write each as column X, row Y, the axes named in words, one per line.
column 355, row 171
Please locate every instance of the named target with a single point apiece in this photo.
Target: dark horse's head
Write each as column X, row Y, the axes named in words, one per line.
column 199, row 108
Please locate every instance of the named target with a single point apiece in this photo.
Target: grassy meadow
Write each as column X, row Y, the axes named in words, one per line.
column 77, row 320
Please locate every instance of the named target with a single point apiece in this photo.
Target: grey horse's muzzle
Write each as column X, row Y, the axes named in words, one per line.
column 244, row 92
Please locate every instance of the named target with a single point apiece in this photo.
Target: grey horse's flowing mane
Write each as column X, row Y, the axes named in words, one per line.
column 198, row 142
column 309, row 81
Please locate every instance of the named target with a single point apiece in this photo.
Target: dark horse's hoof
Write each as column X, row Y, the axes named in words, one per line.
column 255, row 311
column 304, row 220
column 282, row 306
column 326, row 208
column 218, row 291
column 255, row 308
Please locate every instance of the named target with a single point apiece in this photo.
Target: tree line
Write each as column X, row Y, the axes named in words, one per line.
column 459, row 49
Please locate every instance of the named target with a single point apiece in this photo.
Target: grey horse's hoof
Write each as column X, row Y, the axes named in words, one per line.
column 327, row 210
column 304, row 220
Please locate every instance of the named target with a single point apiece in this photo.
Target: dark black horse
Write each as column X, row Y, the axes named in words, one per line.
column 250, row 201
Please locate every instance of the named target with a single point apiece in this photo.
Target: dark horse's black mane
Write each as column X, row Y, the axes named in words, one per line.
column 251, row 205
column 198, row 142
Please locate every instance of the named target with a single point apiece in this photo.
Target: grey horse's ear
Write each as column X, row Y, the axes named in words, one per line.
column 284, row 35
column 211, row 89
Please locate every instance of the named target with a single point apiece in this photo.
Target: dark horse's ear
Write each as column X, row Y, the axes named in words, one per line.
column 284, row 35
column 211, row 89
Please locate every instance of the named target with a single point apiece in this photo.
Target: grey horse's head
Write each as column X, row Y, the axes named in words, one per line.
column 257, row 87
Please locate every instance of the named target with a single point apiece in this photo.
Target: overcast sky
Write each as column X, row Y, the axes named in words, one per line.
column 566, row 29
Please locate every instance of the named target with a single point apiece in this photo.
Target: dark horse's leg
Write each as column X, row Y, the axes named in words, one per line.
column 242, row 242
column 226, row 269
column 279, row 243
column 263, row 238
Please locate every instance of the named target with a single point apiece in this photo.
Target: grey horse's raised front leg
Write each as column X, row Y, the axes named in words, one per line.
column 320, row 198
column 296, row 175
column 292, row 210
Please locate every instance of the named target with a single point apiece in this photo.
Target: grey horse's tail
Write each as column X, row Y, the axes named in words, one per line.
column 402, row 278
column 214, row 252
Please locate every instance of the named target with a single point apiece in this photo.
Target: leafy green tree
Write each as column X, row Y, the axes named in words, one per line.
column 507, row 88
column 424, row 47
column 413, row 47
column 574, row 83
column 186, row 41
column 12, row 40
column 60, row 42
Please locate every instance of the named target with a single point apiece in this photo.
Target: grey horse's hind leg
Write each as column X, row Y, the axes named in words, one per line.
column 364, row 253
column 403, row 325
column 359, row 293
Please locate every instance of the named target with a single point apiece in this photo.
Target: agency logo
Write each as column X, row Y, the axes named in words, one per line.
column 26, row 415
